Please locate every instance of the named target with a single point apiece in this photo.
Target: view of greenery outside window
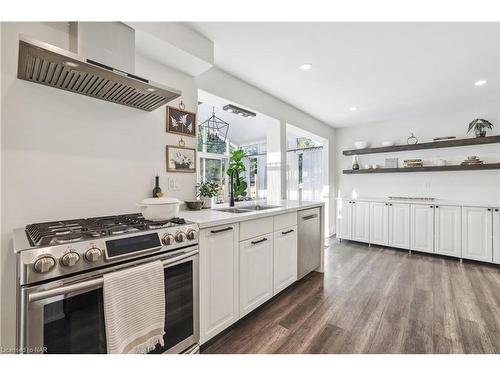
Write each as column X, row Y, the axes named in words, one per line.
column 253, row 183
column 212, row 170
column 250, row 149
column 214, row 147
column 305, row 143
column 200, row 140
column 301, row 161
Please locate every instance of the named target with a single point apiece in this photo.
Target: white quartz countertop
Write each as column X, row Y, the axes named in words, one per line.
column 211, row 217
column 442, row 202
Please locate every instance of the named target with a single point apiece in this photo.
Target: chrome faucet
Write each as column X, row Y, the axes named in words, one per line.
column 231, row 188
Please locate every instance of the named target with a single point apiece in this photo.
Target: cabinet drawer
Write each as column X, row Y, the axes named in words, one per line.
column 254, row 228
column 285, row 221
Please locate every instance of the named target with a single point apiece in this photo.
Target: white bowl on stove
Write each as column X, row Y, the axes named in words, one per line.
column 159, row 209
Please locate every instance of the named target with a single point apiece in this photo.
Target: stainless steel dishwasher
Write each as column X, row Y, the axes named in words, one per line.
column 309, row 241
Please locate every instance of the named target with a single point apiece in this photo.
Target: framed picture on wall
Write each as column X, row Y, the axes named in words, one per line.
column 181, row 122
column 181, row 159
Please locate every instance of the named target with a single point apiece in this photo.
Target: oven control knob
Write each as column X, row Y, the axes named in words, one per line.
column 70, row 259
column 180, row 237
column 44, row 264
column 93, row 254
column 191, row 234
column 168, row 240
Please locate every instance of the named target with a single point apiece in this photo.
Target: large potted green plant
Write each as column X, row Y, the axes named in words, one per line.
column 236, row 163
column 480, row 125
column 206, row 191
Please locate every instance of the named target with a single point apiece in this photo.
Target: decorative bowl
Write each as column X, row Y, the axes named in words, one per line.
column 361, row 144
column 194, row 205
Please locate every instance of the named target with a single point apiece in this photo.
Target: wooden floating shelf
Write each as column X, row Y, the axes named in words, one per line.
column 426, row 169
column 427, row 145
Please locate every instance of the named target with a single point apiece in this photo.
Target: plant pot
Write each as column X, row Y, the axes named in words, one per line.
column 207, row 201
column 480, row 133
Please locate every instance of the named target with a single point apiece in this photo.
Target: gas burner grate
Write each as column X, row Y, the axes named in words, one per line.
column 59, row 232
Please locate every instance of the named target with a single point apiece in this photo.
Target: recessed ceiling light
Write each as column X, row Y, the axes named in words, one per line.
column 481, row 82
column 230, row 110
column 353, row 109
column 241, row 114
column 150, row 89
column 71, row 64
column 306, row 66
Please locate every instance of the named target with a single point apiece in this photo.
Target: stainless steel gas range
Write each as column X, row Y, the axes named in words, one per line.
column 60, row 267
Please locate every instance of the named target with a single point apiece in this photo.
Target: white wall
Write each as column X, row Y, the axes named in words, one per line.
column 218, row 82
column 66, row 155
column 459, row 185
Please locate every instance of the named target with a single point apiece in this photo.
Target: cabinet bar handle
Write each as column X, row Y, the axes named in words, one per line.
column 310, row 217
column 287, row 232
column 221, row 230
column 496, row 209
column 489, row 209
column 259, row 241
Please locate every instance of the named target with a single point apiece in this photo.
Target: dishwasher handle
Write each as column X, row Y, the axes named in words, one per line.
column 309, row 217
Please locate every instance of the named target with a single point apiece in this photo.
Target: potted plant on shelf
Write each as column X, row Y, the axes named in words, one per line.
column 480, row 125
column 206, row 191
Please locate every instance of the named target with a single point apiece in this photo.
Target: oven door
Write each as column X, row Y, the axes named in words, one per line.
column 68, row 316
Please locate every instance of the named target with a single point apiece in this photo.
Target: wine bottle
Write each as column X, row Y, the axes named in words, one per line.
column 157, row 189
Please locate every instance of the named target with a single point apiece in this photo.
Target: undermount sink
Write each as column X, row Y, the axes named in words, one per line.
column 246, row 209
column 258, row 207
column 232, row 210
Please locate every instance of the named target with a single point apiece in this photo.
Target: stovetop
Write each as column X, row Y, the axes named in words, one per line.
column 69, row 231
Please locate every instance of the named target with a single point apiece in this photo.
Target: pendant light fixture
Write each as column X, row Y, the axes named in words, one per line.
column 214, row 129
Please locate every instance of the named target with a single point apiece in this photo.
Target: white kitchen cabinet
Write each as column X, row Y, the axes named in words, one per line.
column 448, row 230
column 477, row 236
column 256, row 272
column 422, row 227
column 219, row 279
column 399, row 225
column 285, row 258
column 344, row 219
column 360, row 221
column 496, row 235
column 379, row 223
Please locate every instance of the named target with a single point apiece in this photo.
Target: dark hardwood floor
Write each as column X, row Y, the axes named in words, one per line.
column 377, row 300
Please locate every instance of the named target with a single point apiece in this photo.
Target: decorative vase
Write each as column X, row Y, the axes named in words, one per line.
column 480, row 133
column 412, row 140
column 207, row 201
column 355, row 164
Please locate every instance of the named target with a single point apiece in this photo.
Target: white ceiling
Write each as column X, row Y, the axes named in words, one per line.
column 242, row 130
column 385, row 70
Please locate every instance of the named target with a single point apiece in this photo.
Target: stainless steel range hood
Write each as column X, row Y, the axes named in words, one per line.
column 49, row 65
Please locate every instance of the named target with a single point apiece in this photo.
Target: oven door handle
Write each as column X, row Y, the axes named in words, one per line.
column 37, row 296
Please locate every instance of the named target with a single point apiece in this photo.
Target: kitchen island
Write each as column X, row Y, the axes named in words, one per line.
column 246, row 258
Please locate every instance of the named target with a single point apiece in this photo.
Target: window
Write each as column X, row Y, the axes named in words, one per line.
column 212, row 170
column 306, row 143
column 219, row 146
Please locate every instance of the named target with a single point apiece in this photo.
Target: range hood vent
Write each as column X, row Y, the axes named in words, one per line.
column 49, row 65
